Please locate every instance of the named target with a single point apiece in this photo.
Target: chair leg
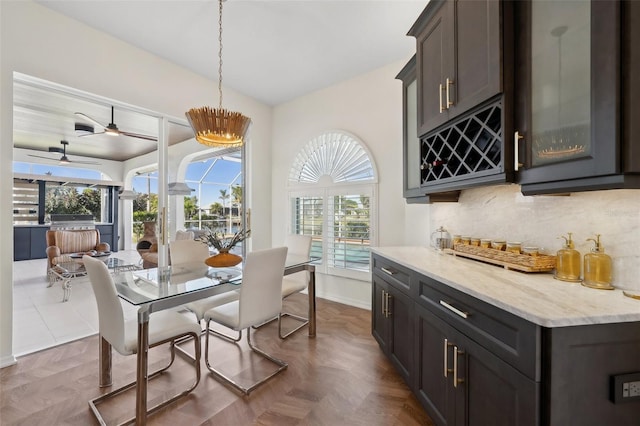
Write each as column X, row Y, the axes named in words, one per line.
column 255, row 327
column 206, row 331
column 225, row 379
column 93, row 404
column 305, row 321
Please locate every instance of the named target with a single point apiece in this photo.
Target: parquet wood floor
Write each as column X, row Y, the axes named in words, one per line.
column 339, row 378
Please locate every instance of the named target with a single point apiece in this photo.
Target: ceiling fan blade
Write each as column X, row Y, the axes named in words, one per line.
column 59, row 160
column 86, row 117
column 83, row 162
column 42, row 156
column 139, row 136
column 112, row 128
column 56, row 149
column 90, row 134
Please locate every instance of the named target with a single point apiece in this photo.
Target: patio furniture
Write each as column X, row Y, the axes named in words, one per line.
column 62, row 243
column 66, row 272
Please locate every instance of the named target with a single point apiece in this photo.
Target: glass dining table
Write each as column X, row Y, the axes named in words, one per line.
column 156, row 289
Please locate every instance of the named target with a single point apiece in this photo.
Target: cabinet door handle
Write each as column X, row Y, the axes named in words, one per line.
column 454, row 309
column 388, row 310
column 456, row 352
column 449, row 84
column 516, row 150
column 440, row 89
column 447, row 345
column 387, row 271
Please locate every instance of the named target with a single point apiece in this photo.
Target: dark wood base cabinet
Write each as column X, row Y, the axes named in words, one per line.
column 471, row 363
column 393, row 322
column 462, row 383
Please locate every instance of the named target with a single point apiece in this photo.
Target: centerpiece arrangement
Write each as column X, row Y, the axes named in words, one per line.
column 223, row 243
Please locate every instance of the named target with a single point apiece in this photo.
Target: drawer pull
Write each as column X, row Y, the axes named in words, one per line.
column 387, row 271
column 454, row 309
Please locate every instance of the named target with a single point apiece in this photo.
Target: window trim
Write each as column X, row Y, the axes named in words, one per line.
column 325, row 188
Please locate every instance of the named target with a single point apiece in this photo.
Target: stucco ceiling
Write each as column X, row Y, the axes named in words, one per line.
column 274, row 51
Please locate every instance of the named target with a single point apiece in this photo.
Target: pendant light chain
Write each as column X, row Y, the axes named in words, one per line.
column 218, row 127
column 220, row 52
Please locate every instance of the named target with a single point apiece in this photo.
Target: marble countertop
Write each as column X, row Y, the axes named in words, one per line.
column 536, row 297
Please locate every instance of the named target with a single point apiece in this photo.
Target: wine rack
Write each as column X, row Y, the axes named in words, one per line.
column 466, row 147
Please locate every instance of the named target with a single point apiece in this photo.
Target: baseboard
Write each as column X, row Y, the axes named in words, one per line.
column 7, row 361
column 346, row 301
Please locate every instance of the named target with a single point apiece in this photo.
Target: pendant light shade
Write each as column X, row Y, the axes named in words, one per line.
column 127, row 194
column 218, row 126
column 179, row 188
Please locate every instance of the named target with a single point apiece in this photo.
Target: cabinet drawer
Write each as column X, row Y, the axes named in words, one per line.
column 394, row 274
column 511, row 338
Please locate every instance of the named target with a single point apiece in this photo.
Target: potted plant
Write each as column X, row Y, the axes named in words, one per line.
column 223, row 244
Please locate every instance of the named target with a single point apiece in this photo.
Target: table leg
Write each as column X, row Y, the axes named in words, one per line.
column 143, row 361
column 66, row 288
column 312, row 301
column 104, row 361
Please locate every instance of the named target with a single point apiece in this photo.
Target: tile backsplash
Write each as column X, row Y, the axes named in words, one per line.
column 503, row 212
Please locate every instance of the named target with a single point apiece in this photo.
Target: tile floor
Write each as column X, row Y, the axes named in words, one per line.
column 40, row 318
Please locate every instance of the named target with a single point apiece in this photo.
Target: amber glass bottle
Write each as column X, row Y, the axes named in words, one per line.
column 597, row 267
column 568, row 261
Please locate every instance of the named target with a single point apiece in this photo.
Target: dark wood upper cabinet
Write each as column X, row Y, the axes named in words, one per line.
column 564, row 77
column 410, row 142
column 459, row 58
column 577, row 92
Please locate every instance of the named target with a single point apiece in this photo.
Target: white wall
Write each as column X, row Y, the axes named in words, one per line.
column 39, row 42
column 503, row 212
column 370, row 108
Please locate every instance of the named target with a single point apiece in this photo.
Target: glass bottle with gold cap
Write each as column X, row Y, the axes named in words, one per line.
column 568, row 261
column 597, row 267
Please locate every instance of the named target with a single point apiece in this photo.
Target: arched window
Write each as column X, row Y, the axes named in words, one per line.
column 332, row 185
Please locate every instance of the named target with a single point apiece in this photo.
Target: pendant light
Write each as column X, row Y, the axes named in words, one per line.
column 179, row 188
column 218, row 126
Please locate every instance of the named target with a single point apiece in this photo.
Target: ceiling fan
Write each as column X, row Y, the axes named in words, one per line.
column 112, row 129
column 64, row 159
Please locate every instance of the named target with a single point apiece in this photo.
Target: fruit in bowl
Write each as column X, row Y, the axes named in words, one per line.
column 91, row 253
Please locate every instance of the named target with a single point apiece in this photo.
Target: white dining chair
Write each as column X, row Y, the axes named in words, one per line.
column 299, row 246
column 260, row 300
column 164, row 327
column 187, row 251
column 193, row 251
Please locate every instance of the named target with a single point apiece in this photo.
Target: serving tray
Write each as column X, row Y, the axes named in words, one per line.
column 508, row 260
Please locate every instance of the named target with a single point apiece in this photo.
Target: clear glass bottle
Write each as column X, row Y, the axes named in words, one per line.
column 597, row 267
column 568, row 261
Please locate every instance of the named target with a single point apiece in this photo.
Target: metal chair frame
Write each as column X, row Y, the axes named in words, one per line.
column 225, row 379
column 196, row 361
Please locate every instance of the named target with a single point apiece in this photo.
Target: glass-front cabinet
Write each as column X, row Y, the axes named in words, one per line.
column 569, row 96
column 560, row 81
column 411, row 142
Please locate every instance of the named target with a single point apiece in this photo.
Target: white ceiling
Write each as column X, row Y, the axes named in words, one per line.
column 274, row 51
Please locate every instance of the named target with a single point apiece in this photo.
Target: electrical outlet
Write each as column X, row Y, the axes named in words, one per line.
column 630, row 389
column 625, row 387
